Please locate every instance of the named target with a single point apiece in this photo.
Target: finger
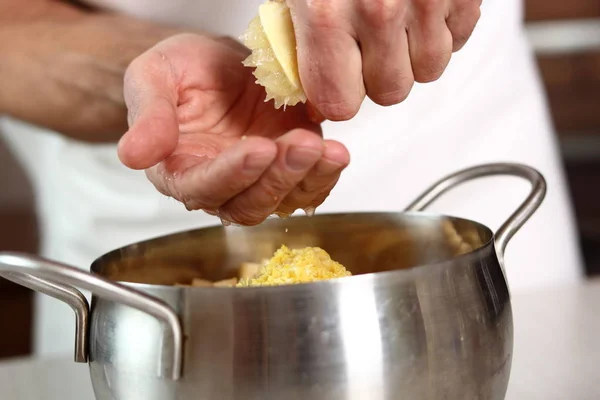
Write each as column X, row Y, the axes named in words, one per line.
column 321, row 197
column 387, row 68
column 151, row 99
column 320, row 179
column 387, row 71
column 329, row 58
column 234, row 44
column 298, row 152
column 209, row 184
column 462, row 21
column 430, row 43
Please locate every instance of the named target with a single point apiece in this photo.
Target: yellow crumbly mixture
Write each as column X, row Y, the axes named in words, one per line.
column 289, row 266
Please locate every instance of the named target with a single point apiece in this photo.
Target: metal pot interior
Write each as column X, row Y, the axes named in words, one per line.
column 363, row 242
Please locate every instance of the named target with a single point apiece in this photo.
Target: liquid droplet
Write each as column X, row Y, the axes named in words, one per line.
column 282, row 215
column 310, row 211
column 224, row 221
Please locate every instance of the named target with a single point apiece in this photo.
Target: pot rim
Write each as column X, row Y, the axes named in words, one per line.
column 468, row 256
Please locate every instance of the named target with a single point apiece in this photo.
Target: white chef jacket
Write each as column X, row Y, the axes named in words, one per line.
column 487, row 107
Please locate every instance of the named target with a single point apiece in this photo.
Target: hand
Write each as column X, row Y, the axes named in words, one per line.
column 379, row 48
column 201, row 128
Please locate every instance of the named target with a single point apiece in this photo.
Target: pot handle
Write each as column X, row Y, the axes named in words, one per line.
column 43, row 269
column 66, row 294
column 517, row 219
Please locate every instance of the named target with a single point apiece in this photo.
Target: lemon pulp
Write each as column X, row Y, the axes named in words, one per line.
column 270, row 36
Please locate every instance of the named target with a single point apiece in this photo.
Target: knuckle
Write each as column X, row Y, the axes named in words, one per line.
column 287, row 207
column 191, row 203
column 306, row 187
column 195, row 204
column 323, row 195
column 302, row 195
column 460, row 4
column 431, row 67
column 255, row 207
column 459, row 40
column 427, row 74
column 159, row 177
column 462, row 32
column 428, row 6
column 466, row 4
column 131, row 82
column 195, row 201
column 242, row 215
column 380, row 12
column 298, row 198
column 131, row 72
column 274, row 184
column 136, row 65
column 161, row 188
column 462, row 22
column 149, row 65
column 191, row 206
column 143, row 66
column 339, row 111
column 143, row 71
column 211, row 211
column 321, row 13
column 317, row 201
column 206, row 201
column 389, row 98
column 476, row 15
column 395, row 96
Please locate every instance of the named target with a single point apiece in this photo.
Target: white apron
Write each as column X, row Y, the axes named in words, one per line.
column 487, row 107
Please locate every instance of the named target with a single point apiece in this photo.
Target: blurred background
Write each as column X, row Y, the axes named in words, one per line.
column 566, row 38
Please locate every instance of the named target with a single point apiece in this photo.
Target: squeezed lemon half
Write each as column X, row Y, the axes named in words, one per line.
column 270, row 36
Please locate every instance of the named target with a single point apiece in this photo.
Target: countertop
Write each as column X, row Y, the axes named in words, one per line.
column 556, row 354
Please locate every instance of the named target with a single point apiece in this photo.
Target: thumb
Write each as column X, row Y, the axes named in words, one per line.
column 152, row 136
column 151, row 100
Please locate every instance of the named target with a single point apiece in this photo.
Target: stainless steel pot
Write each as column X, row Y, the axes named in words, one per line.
column 426, row 315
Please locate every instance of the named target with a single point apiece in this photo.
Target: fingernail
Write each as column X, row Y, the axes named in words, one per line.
column 299, row 158
column 257, row 162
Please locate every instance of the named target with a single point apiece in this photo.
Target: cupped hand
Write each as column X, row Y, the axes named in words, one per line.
column 200, row 128
column 377, row 48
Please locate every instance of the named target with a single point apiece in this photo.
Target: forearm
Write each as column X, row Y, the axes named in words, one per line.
column 62, row 67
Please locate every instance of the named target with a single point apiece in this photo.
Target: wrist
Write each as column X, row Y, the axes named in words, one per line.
column 15, row 12
column 46, row 68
